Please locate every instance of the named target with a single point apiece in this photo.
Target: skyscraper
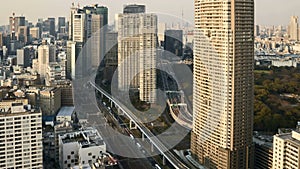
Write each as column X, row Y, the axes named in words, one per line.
column 173, row 42
column 34, row 33
column 223, row 83
column 294, row 28
column 52, row 26
column 86, row 23
column 61, row 24
column 137, row 51
column 1, row 40
column 46, row 54
column 14, row 24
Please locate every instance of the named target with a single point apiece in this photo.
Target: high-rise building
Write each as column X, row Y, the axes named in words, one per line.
column 52, row 26
column 223, row 83
column 50, row 100
column 134, row 9
column 46, row 54
column 137, row 41
column 55, row 73
column 78, row 27
column 161, row 33
column 111, row 55
column 256, row 30
column 294, row 28
column 286, row 150
column 61, row 25
column 21, row 138
column 1, row 40
column 97, row 43
column 34, row 33
column 263, row 152
column 71, row 59
column 14, row 24
column 23, row 57
column 86, row 23
column 23, row 34
column 173, row 42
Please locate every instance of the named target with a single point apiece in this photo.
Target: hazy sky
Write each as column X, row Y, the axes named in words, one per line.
column 268, row 12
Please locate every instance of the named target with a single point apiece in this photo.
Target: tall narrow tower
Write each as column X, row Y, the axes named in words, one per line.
column 223, row 83
column 137, row 37
column 293, row 28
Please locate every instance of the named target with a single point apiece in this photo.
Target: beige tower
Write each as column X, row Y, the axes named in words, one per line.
column 294, row 28
column 137, row 37
column 46, row 54
column 223, row 83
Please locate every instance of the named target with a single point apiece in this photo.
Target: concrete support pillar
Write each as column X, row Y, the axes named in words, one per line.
column 132, row 125
column 164, row 160
column 152, row 148
column 143, row 137
column 111, row 104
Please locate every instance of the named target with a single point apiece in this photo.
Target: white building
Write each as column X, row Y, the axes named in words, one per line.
column 137, row 37
column 286, row 150
column 46, row 54
column 284, row 62
column 21, row 138
column 71, row 59
column 56, row 73
column 80, row 148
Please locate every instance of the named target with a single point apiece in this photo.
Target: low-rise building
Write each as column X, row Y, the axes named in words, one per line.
column 65, row 114
column 286, row 152
column 50, row 100
column 55, row 73
column 263, row 152
column 80, row 148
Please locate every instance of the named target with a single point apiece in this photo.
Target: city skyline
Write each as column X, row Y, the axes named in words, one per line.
column 266, row 10
column 132, row 84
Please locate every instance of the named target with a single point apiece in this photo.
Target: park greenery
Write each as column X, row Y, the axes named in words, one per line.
column 276, row 103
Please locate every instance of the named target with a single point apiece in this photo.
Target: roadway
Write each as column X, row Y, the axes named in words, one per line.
column 178, row 164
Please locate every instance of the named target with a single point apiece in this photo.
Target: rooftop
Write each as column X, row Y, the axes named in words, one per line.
column 86, row 138
column 65, row 111
column 293, row 137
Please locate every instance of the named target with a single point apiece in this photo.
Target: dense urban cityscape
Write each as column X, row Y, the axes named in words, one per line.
column 143, row 92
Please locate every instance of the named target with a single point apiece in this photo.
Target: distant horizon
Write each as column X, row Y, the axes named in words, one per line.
column 268, row 12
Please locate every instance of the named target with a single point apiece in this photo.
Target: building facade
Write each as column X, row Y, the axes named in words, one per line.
column 50, row 100
column 21, row 138
column 223, row 83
